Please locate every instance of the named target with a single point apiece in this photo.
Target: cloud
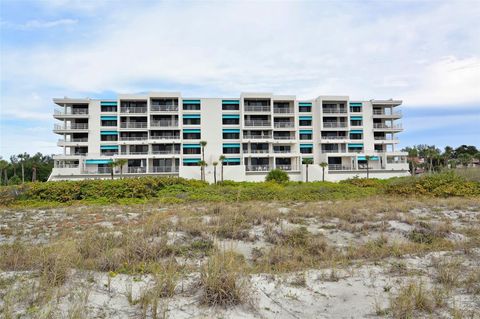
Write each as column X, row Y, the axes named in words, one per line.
column 39, row 24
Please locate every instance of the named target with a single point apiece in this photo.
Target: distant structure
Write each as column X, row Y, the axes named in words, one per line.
column 160, row 134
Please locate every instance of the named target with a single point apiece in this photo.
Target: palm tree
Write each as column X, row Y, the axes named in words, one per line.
column 120, row 163
column 221, row 159
column 34, row 172
column 368, row 157
column 112, row 165
column 202, row 165
column 465, row 159
column 3, row 168
column 203, row 144
column 215, row 172
column 323, row 165
column 307, row 161
column 412, row 158
column 22, row 158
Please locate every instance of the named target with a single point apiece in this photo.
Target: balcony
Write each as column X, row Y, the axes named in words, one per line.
column 284, row 167
column 74, row 126
column 334, row 111
column 257, row 168
column 334, row 137
column 281, row 151
column 133, row 138
column 102, row 170
column 382, row 113
column 164, row 108
column 136, row 170
column 61, row 112
column 165, row 152
column 133, row 125
column 280, row 137
column 333, row 151
column 134, row 153
column 73, row 140
column 382, row 126
column 283, row 124
column 283, row 110
column 334, row 124
column 164, row 169
column 134, row 110
column 65, row 165
column 262, row 151
column 258, row 123
column 257, row 136
column 165, row 137
column 338, row 167
column 252, row 108
column 164, row 123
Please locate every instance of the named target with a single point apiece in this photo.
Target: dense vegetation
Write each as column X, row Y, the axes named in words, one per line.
column 25, row 167
column 178, row 190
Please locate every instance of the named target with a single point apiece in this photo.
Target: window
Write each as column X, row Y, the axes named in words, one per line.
column 230, row 107
column 356, row 136
column 305, row 136
column 230, row 121
column 109, row 137
column 305, row 122
column 191, row 107
column 191, row 136
column 191, row 121
column 108, row 108
column 306, row 150
column 356, row 122
column 231, row 136
column 109, row 123
column 231, row 150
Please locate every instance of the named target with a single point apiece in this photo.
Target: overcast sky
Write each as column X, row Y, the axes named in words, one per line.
column 426, row 53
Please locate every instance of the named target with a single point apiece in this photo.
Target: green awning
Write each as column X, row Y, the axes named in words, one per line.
column 109, row 147
column 191, row 146
column 235, row 102
column 231, row 130
column 191, row 116
column 191, row 130
column 230, row 116
column 191, row 101
column 235, row 145
column 98, row 161
column 108, row 132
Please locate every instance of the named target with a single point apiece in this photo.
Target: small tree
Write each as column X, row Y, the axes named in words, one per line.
column 222, row 160
column 202, row 165
column 465, row 159
column 215, row 172
column 3, row 168
column 120, row 163
column 323, row 165
column 368, row 157
column 307, row 161
column 111, row 165
column 277, row 175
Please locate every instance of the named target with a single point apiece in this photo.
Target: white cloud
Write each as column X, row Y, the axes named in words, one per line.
column 40, row 24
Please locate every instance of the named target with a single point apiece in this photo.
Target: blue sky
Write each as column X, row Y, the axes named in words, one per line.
column 426, row 53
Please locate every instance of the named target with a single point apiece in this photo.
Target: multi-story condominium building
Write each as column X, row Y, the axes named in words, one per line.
column 160, row 134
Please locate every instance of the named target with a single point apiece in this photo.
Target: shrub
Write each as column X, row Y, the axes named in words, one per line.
column 411, row 298
column 277, row 175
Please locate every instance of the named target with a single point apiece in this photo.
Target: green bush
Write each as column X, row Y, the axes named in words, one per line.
column 277, row 175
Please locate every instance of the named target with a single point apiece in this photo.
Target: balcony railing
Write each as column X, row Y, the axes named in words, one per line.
column 258, row 168
column 164, row 108
column 257, row 123
column 136, row 170
column 284, row 167
column 133, row 138
column 165, row 137
column 283, row 124
column 64, row 165
column 332, row 151
column 334, row 137
column 334, row 124
column 258, row 151
column 164, row 169
column 330, row 111
column 134, row 110
column 257, row 136
column 104, row 170
column 133, row 125
column 282, row 110
column 73, row 140
column 70, row 112
column 282, row 151
column 251, row 108
column 165, row 151
column 80, row 126
column 385, row 126
column 280, row 137
column 381, row 138
column 134, row 153
column 382, row 112
column 338, row 167
column 355, row 151
column 164, row 123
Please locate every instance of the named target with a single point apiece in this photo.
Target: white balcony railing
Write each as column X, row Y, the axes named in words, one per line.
column 334, row 124
column 73, row 140
column 73, row 126
column 257, row 136
column 282, row 151
column 165, row 137
column 338, row 167
column 166, row 152
column 258, row 168
column 133, row 138
column 257, row 123
column 65, row 165
column 283, row 124
column 134, row 110
column 258, row 151
column 382, row 112
column 164, row 123
column 334, row 137
column 136, row 169
column 251, row 108
column 331, row 111
column 135, row 153
column 70, row 112
column 133, row 125
column 284, row 167
column 282, row 110
column 164, row 169
column 164, row 108
column 333, row 150
column 280, row 137
column 389, row 126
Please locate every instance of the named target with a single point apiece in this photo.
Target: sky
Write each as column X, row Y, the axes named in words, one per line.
column 426, row 53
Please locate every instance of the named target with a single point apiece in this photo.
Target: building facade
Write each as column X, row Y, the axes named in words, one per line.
column 160, row 134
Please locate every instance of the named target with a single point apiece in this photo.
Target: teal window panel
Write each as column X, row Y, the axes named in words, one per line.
column 97, row 161
column 232, row 160
column 191, row 101
column 108, row 118
column 305, row 103
column 305, row 131
column 306, row 145
column 235, row 145
column 234, row 102
column 355, row 145
column 191, row 116
column 356, row 131
column 191, row 146
column 191, row 130
column 109, row 147
column 191, row 160
column 355, row 104
column 108, row 133
column 231, row 116
column 356, row 118
column 364, row 158
column 231, row 130
column 305, row 118
column 108, row 103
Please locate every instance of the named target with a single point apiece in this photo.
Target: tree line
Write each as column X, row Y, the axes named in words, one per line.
column 25, row 168
column 435, row 160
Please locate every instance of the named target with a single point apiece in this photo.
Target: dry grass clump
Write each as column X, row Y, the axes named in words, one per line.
column 223, row 280
column 55, row 263
column 16, row 256
column 427, row 233
column 410, row 299
column 448, row 272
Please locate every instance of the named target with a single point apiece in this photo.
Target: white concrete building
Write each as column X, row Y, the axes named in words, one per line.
column 160, row 134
